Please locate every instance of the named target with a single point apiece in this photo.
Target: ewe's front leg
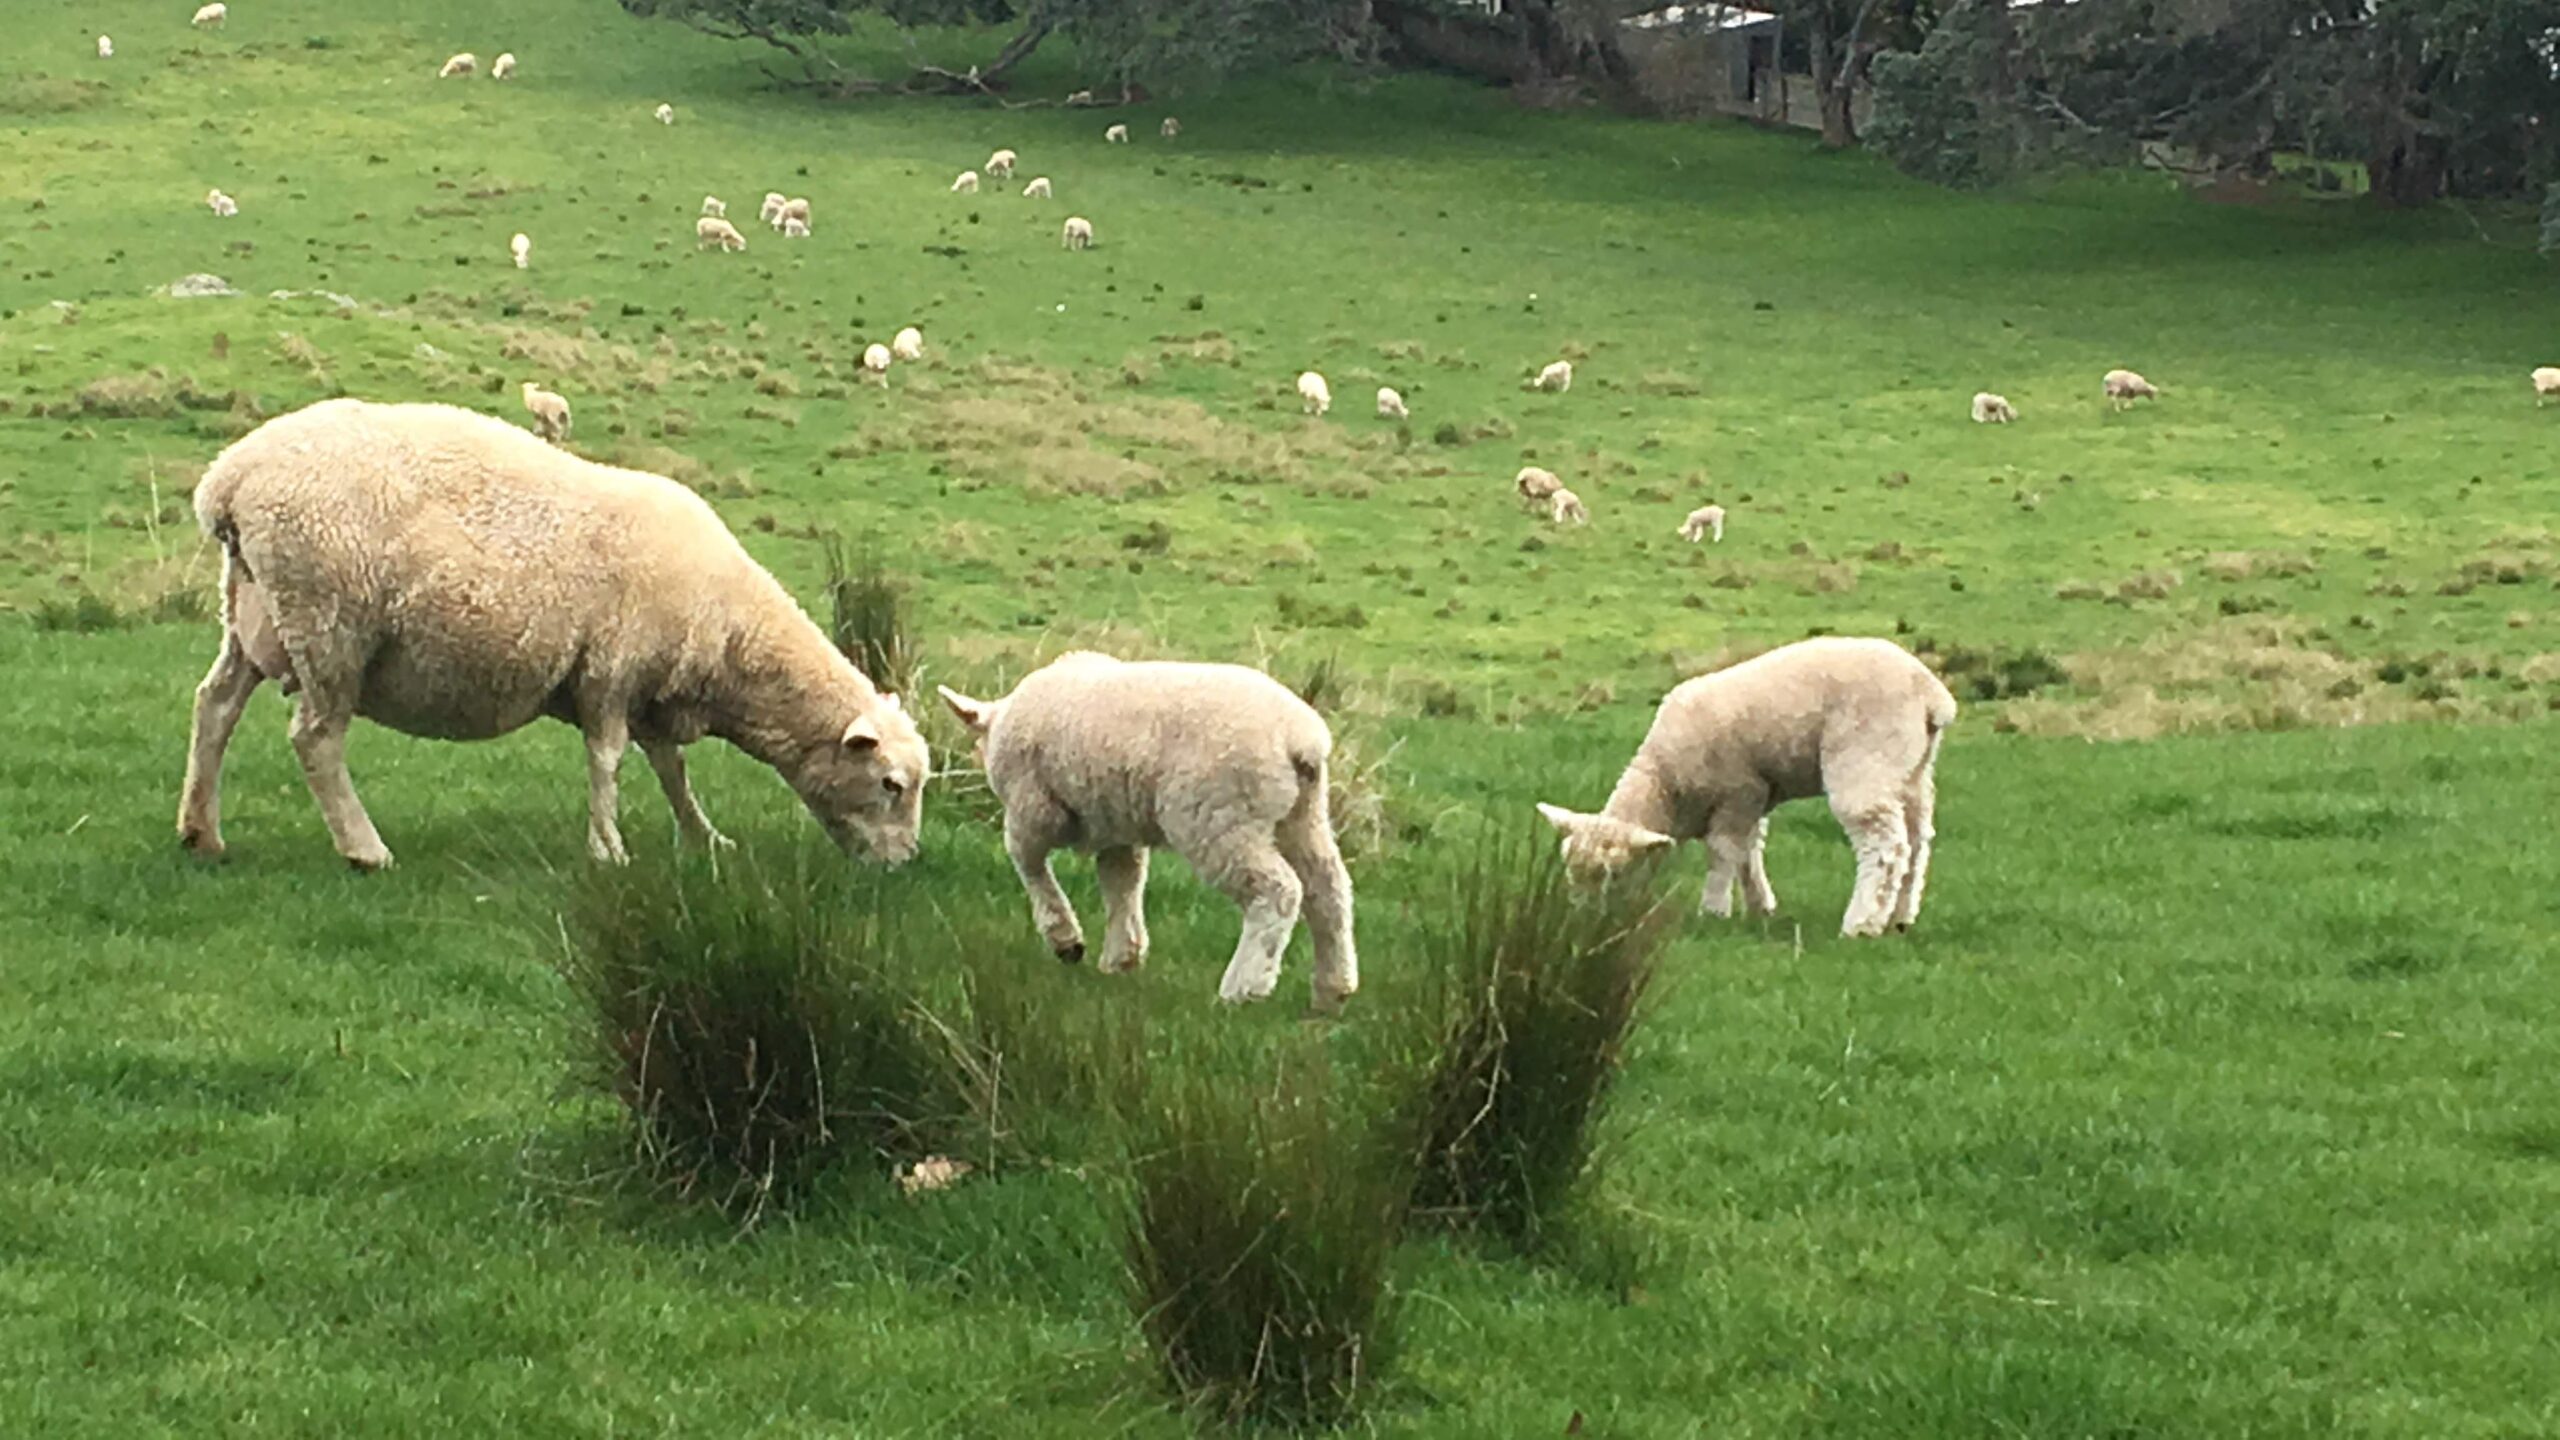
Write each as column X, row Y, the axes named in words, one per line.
column 606, row 741
column 220, row 702
column 1123, row 873
column 1049, row 908
column 667, row 759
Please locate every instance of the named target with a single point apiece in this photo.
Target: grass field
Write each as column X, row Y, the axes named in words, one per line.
column 2211, row 1097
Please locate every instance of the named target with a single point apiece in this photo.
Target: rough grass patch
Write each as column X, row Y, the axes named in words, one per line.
column 871, row 617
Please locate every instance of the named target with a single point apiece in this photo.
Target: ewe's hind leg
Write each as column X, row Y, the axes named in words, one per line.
column 1029, row 845
column 1881, row 838
column 319, row 734
column 1123, row 873
column 606, row 741
column 1919, row 811
column 1306, row 843
column 1756, row 891
column 1250, row 872
column 667, row 759
column 220, row 701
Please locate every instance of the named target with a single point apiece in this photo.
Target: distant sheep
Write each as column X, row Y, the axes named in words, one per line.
column 794, row 228
column 770, row 212
column 875, row 364
column 666, row 114
column 1000, row 165
column 504, row 67
column 1219, row 762
column 550, row 411
column 712, row 230
column 1038, row 189
column 2123, row 387
column 1116, row 135
column 1077, row 234
column 966, row 183
column 462, row 64
column 106, row 48
column 1990, row 409
column 522, row 248
column 1555, row 379
column 714, row 207
column 1705, row 522
column 1080, row 97
column 1535, row 484
column 1857, row 721
column 221, row 204
column 213, row 14
column 1170, row 129
column 1391, row 404
column 907, row 346
column 2546, row 383
column 1566, row 508
column 1315, row 396
column 794, row 209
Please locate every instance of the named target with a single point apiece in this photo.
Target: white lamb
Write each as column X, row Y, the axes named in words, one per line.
column 1038, row 189
column 1555, row 379
column 106, row 48
column 1990, row 409
column 715, row 207
column 1219, row 762
column 1170, row 128
column 221, row 204
column 504, row 67
column 550, row 411
column 875, row 363
column 666, row 114
column 1080, row 97
column 2123, row 387
column 712, row 230
column 966, row 183
column 1077, row 234
column 794, row 228
column 1704, row 523
column 2546, row 383
column 1116, row 135
column 1566, row 508
column 907, row 346
column 213, row 14
column 522, row 248
column 462, row 64
column 794, row 209
column 1000, row 165
column 770, row 212
column 447, row 575
column 1391, row 405
column 1857, row 721
column 1314, row 395
column 1535, row 484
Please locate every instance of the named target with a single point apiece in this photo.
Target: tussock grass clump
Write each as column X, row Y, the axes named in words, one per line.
column 1259, row 1223
column 871, row 618
column 1540, row 984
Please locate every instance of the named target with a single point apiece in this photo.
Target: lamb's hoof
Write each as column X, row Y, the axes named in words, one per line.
column 1072, row 952
column 1121, row 963
column 1325, row 1007
column 371, row 863
column 204, row 844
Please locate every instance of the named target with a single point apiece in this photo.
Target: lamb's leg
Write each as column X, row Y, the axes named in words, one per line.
column 1049, row 908
column 1306, row 843
column 319, row 734
column 1879, row 834
column 1250, row 872
column 1919, row 810
column 607, row 738
column 1123, row 873
column 221, row 700
column 1757, row 894
column 667, row 759
column 1728, row 856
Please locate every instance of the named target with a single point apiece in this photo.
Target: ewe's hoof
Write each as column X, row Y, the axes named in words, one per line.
column 370, row 864
column 1072, row 952
column 202, row 843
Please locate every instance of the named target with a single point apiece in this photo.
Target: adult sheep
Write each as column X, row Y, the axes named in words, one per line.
column 1220, row 762
column 447, row 575
column 1857, row 721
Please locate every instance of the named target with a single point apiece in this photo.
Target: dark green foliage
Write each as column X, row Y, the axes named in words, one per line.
column 1540, row 985
column 870, row 619
column 1992, row 674
column 86, row 613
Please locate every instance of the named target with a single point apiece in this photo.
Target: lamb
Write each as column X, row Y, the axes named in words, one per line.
column 666, row 114
column 1000, row 165
column 1707, row 521
column 522, row 248
column 1077, row 234
column 504, row 67
column 1038, row 189
column 794, row 228
column 1555, row 379
column 1170, row 129
column 1391, row 405
column 1990, row 409
column 715, row 207
column 2123, row 387
column 1535, row 484
column 770, row 212
column 446, row 575
column 1564, row 507
column 106, row 48
column 1857, row 721
column 2546, row 383
column 966, row 184
column 1220, row 762
column 712, row 230
column 550, row 411
column 462, row 64
column 213, row 14
column 794, row 209
column 1316, row 396
column 875, row 363
column 221, row 204
column 1080, row 97
column 907, row 347
column 1116, row 135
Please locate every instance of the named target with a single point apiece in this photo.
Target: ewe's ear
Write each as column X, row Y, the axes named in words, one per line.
column 890, row 699
column 1564, row 820
column 1648, row 841
column 976, row 714
column 862, row 735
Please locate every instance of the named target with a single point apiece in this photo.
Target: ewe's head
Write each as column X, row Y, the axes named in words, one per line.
column 867, row 785
column 1597, row 847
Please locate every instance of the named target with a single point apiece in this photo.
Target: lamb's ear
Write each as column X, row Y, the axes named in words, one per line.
column 976, row 714
column 890, row 699
column 862, row 734
column 1564, row 820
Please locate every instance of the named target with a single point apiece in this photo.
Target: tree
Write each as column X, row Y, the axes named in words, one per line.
column 1842, row 39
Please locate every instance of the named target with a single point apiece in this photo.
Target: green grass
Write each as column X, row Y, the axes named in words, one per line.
column 2212, row 1095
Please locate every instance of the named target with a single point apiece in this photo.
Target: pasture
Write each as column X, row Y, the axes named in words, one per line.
column 2212, row 1094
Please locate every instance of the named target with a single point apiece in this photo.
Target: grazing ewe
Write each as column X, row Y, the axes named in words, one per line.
column 106, row 48
column 715, row 207
column 462, row 64
column 1535, row 484
column 1038, row 189
column 1857, row 721
column 875, row 363
column 1990, row 409
column 504, row 67
column 1116, row 135
column 1705, row 522
column 2123, row 387
column 1170, row 128
column 712, row 230
column 1315, row 395
column 522, row 248
column 907, row 346
column 213, row 14
column 221, row 204
column 966, row 184
column 1000, row 165
column 2546, row 383
column 1555, row 379
column 1077, row 233
column 1220, row 762
column 794, row 228
column 795, row 209
column 550, row 411
column 446, row 575
column 1566, row 508
column 770, row 212
column 666, row 114
column 1391, row 404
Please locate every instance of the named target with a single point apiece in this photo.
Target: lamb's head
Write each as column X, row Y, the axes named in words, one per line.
column 867, row 785
column 1597, row 847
